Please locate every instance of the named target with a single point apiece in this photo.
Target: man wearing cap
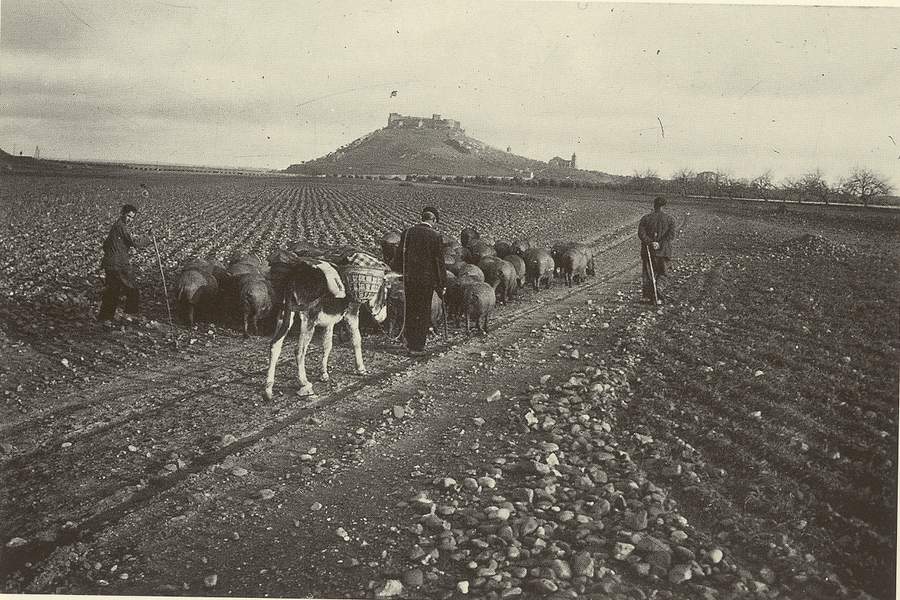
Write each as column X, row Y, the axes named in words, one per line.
column 117, row 266
column 657, row 233
column 419, row 258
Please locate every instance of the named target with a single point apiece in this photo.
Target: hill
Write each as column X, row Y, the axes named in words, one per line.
column 17, row 164
column 424, row 151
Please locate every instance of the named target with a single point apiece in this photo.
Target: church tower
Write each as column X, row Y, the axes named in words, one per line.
column 573, row 160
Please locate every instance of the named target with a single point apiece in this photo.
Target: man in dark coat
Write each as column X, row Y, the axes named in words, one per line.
column 117, row 265
column 657, row 233
column 419, row 258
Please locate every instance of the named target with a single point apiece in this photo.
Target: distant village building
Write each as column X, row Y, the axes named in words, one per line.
column 435, row 122
column 562, row 163
column 707, row 177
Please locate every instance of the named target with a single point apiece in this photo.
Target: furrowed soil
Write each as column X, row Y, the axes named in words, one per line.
column 738, row 441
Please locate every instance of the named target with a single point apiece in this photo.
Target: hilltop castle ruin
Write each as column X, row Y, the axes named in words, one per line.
column 397, row 120
column 562, row 163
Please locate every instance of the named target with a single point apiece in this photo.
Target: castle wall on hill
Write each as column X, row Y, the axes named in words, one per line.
column 397, row 120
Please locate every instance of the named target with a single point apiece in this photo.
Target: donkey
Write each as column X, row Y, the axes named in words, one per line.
column 312, row 290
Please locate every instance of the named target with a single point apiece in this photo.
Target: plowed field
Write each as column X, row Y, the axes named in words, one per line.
column 738, row 441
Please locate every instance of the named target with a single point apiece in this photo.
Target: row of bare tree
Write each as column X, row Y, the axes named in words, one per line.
column 862, row 185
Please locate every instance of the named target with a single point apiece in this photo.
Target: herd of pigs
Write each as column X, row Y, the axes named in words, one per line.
column 480, row 274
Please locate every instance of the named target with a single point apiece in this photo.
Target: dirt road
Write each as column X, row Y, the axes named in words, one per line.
column 179, row 479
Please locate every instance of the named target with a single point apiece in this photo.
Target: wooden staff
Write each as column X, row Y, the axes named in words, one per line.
column 163, row 275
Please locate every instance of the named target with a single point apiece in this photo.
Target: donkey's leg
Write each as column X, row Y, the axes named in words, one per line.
column 307, row 329
column 352, row 318
column 275, row 351
column 327, row 344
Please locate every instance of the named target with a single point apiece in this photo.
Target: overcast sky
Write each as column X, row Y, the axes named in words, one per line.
column 625, row 86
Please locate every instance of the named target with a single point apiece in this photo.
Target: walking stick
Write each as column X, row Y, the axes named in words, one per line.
column 444, row 310
column 163, row 275
column 652, row 275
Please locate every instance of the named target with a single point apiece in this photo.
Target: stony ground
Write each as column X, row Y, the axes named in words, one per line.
column 737, row 442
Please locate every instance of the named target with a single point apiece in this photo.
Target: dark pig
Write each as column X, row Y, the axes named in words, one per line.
column 519, row 264
column 501, row 275
column 478, row 250
column 539, row 267
column 478, row 301
column 255, row 297
column 196, row 290
column 502, row 248
column 467, row 236
column 573, row 265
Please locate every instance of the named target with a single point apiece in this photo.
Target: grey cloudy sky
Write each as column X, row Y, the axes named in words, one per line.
column 267, row 84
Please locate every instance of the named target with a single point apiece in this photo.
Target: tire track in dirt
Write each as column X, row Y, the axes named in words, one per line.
column 124, row 497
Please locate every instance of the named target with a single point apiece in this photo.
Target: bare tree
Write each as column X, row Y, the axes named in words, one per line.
column 813, row 184
column 646, row 180
column 683, row 179
column 865, row 185
column 720, row 181
column 763, row 185
column 791, row 187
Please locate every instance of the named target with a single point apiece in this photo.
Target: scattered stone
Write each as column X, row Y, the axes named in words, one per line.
column 16, row 542
column 715, row 556
column 494, row 396
column 622, row 550
column 683, row 555
column 342, row 533
column 210, row 581
column 487, row 483
column 462, row 587
column 315, row 506
column 679, row 574
column 502, row 514
column 601, row 507
column 389, row 589
column 266, row 494
column 413, row 578
column 543, row 586
column 583, row 565
column 239, row 472
column 561, row 569
column 637, row 520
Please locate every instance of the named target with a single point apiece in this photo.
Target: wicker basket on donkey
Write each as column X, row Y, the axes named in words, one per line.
column 362, row 283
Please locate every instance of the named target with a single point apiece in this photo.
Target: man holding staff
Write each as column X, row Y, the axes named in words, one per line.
column 117, row 266
column 656, row 232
